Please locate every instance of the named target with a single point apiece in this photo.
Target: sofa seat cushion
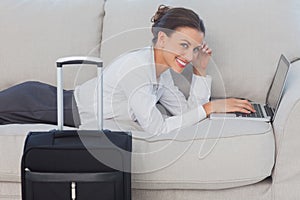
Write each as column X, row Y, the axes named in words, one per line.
column 12, row 140
column 213, row 154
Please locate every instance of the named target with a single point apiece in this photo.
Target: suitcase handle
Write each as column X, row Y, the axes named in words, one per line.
column 79, row 60
column 71, row 133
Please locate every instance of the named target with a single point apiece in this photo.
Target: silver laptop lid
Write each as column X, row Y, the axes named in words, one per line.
column 276, row 88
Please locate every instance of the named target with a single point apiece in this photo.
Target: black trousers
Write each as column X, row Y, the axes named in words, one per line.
column 35, row 102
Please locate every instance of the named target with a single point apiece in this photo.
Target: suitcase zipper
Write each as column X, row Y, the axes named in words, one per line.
column 73, row 190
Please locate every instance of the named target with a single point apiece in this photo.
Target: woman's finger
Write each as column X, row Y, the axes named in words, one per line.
column 243, row 110
column 246, row 105
column 238, row 105
column 209, row 51
column 249, row 106
column 206, row 49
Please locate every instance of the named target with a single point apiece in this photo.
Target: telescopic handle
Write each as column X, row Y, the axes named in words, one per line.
column 75, row 60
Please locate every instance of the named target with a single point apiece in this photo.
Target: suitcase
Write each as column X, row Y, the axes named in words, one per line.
column 77, row 165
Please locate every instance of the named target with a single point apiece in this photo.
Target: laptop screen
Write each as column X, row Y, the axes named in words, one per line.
column 277, row 85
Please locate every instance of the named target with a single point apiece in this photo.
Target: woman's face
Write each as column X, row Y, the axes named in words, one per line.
column 180, row 47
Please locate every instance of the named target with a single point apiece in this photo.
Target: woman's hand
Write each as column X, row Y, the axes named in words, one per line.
column 228, row 105
column 201, row 59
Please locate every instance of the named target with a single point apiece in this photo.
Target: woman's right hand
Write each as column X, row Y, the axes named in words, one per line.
column 201, row 59
column 228, row 105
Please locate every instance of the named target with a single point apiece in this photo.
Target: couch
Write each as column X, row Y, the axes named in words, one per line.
column 214, row 159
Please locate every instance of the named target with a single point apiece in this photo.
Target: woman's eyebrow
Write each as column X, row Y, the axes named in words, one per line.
column 186, row 41
column 199, row 46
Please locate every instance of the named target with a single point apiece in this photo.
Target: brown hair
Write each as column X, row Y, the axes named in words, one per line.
column 167, row 19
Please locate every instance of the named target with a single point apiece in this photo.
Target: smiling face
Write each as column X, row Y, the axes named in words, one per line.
column 177, row 50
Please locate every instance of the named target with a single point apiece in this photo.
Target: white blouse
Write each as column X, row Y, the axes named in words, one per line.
column 131, row 92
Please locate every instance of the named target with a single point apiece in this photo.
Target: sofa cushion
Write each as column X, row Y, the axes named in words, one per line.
column 213, row 154
column 247, row 38
column 34, row 34
column 12, row 140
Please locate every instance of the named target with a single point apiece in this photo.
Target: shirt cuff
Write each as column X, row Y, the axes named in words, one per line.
column 201, row 87
column 192, row 117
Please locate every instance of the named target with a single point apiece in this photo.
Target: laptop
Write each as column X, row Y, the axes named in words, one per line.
column 264, row 112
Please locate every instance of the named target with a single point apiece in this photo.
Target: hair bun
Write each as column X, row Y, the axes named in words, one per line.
column 161, row 11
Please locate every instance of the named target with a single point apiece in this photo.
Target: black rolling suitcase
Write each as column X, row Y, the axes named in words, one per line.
column 77, row 165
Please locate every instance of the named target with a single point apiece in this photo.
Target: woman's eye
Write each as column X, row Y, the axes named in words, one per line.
column 184, row 45
column 196, row 50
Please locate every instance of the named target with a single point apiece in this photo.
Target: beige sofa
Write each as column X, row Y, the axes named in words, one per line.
column 224, row 159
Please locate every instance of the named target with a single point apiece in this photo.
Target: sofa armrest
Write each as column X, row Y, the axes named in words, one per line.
column 286, row 175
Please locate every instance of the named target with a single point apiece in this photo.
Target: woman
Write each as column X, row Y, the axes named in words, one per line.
column 136, row 81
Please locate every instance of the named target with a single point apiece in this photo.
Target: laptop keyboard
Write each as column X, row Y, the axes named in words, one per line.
column 257, row 114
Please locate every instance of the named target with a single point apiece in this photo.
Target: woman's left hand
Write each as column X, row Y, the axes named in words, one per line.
column 201, row 59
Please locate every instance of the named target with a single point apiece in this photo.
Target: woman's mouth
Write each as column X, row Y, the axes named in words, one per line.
column 181, row 63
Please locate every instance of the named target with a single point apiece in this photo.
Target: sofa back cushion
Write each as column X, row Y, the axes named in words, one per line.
column 34, row 34
column 247, row 38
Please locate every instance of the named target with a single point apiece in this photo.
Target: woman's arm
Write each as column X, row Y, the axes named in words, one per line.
column 175, row 101
column 200, row 62
column 142, row 99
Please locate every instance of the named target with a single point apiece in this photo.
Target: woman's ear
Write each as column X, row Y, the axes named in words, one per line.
column 161, row 39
